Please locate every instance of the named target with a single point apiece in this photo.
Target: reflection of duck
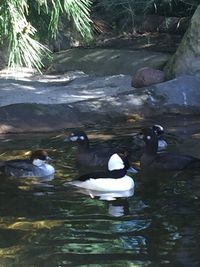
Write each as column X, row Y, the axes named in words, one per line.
column 112, row 180
column 118, row 201
column 119, row 207
column 163, row 161
column 35, row 166
column 96, row 158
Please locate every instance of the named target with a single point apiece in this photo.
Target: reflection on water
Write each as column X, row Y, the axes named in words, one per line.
column 118, row 201
column 49, row 223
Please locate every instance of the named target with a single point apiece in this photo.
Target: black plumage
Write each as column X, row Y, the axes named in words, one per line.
column 95, row 159
column 152, row 160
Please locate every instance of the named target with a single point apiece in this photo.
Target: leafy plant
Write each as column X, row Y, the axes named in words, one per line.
column 17, row 26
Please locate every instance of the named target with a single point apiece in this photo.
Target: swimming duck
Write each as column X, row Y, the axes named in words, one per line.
column 35, row 166
column 152, row 160
column 159, row 130
column 94, row 158
column 112, row 180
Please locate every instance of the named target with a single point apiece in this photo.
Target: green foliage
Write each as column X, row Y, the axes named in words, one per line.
column 19, row 20
column 26, row 25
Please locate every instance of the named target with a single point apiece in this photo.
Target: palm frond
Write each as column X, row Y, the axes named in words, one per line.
column 21, row 35
column 79, row 12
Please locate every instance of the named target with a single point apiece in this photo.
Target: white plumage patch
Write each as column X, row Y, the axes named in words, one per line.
column 42, row 169
column 162, row 145
column 115, row 163
column 74, row 138
column 104, row 195
column 107, row 184
column 160, row 127
column 38, row 162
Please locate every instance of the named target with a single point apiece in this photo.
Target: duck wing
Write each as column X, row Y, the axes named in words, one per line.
column 115, row 174
column 171, row 161
column 20, row 164
column 94, row 159
column 18, row 168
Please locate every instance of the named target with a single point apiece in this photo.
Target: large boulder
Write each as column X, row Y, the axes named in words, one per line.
column 186, row 60
column 180, row 95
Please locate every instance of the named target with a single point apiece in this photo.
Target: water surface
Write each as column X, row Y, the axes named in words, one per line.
column 53, row 224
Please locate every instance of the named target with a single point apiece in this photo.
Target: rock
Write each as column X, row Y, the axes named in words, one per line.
column 147, row 76
column 178, row 95
column 20, row 118
column 106, row 61
column 186, row 60
column 61, row 89
column 74, row 100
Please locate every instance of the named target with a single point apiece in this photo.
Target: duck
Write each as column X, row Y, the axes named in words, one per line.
column 166, row 161
column 115, row 179
column 159, row 130
column 94, row 158
column 35, row 166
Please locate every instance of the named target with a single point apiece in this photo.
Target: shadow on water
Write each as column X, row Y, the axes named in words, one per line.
column 53, row 224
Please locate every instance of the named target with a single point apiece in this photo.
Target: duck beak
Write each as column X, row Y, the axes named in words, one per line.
column 138, row 139
column 50, row 159
column 139, row 136
column 66, row 139
column 70, row 138
column 132, row 170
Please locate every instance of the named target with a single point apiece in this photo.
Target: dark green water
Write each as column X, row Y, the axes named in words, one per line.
column 52, row 224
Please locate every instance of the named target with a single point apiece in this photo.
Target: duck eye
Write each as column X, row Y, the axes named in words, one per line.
column 82, row 137
column 148, row 137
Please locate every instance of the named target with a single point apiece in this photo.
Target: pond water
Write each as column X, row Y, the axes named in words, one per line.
column 53, row 224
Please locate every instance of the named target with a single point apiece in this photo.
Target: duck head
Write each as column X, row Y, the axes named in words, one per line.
column 150, row 138
column 158, row 129
column 39, row 157
column 78, row 137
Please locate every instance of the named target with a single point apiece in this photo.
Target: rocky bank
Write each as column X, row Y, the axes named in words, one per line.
column 51, row 102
